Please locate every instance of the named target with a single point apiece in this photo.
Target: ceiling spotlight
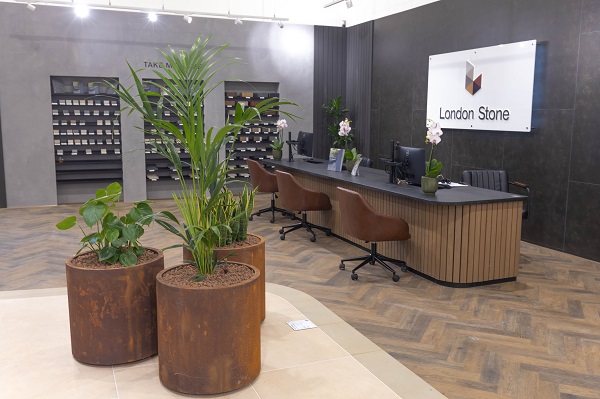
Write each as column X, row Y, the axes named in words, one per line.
column 152, row 17
column 349, row 3
column 280, row 24
column 30, row 7
column 82, row 10
column 238, row 21
column 187, row 18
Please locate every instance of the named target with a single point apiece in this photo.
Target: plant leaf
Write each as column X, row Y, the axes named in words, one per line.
column 128, row 258
column 107, row 253
column 67, row 223
column 94, row 213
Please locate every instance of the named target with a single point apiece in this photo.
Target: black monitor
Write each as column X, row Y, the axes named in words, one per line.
column 305, row 144
column 412, row 163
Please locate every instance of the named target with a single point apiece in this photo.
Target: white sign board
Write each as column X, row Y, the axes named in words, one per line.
column 489, row 88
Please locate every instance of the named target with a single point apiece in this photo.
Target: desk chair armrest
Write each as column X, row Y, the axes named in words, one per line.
column 524, row 187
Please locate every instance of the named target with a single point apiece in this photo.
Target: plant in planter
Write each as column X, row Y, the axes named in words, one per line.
column 350, row 158
column 335, row 112
column 433, row 168
column 111, row 287
column 208, row 302
column 277, row 144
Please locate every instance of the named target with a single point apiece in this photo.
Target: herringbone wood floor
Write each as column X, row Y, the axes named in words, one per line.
column 538, row 337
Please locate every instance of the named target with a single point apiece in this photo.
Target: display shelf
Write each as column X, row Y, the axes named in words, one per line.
column 86, row 128
column 254, row 138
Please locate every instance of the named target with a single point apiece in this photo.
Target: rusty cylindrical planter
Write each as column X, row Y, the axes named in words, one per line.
column 112, row 312
column 208, row 338
column 252, row 255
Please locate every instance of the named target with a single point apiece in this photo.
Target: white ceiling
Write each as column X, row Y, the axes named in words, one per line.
column 306, row 12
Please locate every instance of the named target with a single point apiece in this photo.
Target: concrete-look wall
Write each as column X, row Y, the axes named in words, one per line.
column 52, row 41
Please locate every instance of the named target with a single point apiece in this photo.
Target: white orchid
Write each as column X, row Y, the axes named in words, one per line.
column 281, row 124
column 345, row 127
column 434, row 136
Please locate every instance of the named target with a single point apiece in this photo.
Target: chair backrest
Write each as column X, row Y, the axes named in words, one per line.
column 360, row 220
column 295, row 197
column 490, row 179
column 265, row 181
column 367, row 162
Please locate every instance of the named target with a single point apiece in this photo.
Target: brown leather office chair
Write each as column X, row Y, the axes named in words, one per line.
column 265, row 182
column 363, row 222
column 495, row 180
column 298, row 198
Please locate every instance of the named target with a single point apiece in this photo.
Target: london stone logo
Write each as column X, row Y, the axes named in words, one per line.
column 472, row 84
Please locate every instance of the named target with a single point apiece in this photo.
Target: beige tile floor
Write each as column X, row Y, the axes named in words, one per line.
column 330, row 361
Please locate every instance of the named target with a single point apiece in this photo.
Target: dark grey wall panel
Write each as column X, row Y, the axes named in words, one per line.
column 558, row 157
column 358, row 83
column 329, row 80
column 2, row 178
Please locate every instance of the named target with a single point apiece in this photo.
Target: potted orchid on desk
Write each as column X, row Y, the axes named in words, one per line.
column 433, row 168
column 277, row 144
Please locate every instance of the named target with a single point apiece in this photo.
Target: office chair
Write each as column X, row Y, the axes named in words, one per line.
column 366, row 162
column 301, row 199
column 495, row 180
column 266, row 182
column 363, row 222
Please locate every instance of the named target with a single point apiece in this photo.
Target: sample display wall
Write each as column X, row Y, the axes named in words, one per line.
column 53, row 42
column 558, row 159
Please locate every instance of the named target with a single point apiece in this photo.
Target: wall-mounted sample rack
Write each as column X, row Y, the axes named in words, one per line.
column 254, row 139
column 86, row 126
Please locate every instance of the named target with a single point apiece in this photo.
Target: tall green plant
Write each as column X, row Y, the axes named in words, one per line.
column 187, row 81
column 335, row 111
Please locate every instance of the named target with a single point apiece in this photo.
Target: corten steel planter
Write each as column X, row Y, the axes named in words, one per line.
column 112, row 312
column 252, row 255
column 208, row 338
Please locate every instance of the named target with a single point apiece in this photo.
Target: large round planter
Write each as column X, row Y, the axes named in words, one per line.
column 112, row 312
column 208, row 338
column 252, row 255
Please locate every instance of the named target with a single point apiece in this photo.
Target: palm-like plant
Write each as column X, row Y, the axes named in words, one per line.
column 186, row 84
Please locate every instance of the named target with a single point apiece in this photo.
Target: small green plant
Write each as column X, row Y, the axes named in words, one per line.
column 113, row 238
column 351, row 155
column 277, row 144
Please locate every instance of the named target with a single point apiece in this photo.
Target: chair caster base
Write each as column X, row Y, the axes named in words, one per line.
column 280, row 231
column 354, row 276
column 395, row 277
column 251, row 218
column 327, row 233
column 282, row 237
column 342, row 266
column 403, row 268
column 313, row 239
column 272, row 220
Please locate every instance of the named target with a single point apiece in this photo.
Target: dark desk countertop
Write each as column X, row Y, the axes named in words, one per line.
column 376, row 179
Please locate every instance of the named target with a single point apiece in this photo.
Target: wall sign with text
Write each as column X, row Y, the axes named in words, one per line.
column 489, row 88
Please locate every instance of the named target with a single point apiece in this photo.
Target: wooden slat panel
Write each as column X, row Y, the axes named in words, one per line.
column 460, row 244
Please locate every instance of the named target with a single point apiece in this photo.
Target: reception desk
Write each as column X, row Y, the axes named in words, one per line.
column 463, row 236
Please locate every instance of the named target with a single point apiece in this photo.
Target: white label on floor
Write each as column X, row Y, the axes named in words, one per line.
column 301, row 324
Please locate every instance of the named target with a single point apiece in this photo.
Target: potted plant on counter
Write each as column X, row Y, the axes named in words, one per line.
column 112, row 286
column 335, row 111
column 277, row 144
column 433, row 168
column 208, row 318
column 351, row 157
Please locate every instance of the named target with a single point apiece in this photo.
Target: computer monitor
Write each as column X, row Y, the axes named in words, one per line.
column 412, row 163
column 305, row 144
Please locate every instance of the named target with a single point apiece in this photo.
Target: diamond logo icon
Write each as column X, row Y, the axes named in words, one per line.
column 472, row 84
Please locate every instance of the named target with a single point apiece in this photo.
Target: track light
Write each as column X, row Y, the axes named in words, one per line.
column 187, row 18
column 152, row 17
column 238, row 21
column 349, row 3
column 82, row 10
column 280, row 24
column 30, row 7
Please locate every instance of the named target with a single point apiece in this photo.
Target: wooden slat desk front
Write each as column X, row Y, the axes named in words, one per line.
column 462, row 236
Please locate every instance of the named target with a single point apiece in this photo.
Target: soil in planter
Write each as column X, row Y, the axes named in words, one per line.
column 223, row 276
column 90, row 260
column 250, row 241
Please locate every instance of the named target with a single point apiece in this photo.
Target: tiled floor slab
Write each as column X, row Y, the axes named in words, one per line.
column 339, row 378
column 34, row 341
